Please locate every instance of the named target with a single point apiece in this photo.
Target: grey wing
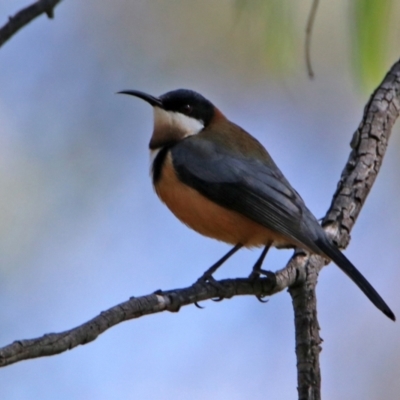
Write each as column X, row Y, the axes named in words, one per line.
column 257, row 189
column 249, row 186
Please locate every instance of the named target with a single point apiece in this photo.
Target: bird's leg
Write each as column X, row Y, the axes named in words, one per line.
column 208, row 275
column 257, row 271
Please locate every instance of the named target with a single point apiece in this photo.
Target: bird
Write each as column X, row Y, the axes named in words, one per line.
column 221, row 182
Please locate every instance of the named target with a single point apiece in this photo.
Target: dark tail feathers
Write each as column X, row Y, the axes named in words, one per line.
column 352, row 272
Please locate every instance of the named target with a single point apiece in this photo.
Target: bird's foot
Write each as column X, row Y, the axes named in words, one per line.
column 256, row 274
column 207, row 278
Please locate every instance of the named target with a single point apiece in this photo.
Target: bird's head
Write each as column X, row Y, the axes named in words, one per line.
column 177, row 115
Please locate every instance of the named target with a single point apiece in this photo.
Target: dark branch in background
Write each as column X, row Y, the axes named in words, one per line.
column 307, row 47
column 25, row 16
column 300, row 275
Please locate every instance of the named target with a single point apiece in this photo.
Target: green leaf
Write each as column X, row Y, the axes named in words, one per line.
column 370, row 20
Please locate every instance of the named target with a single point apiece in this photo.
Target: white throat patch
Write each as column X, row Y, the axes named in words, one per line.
column 174, row 121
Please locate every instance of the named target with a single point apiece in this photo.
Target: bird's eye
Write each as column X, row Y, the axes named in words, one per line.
column 187, row 109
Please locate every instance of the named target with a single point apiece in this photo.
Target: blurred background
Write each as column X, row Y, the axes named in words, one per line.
column 81, row 229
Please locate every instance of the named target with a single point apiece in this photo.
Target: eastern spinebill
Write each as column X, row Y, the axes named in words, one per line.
column 221, row 182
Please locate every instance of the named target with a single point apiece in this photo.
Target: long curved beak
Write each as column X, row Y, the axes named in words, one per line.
column 154, row 101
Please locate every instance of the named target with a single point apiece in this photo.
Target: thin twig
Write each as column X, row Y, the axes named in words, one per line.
column 307, row 48
column 172, row 300
column 26, row 15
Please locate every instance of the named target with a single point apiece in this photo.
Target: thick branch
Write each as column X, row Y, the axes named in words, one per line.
column 307, row 334
column 369, row 145
column 25, row 16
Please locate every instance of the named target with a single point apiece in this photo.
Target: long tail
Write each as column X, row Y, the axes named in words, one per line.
column 352, row 272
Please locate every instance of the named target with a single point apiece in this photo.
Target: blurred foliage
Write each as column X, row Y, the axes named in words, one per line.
column 371, row 23
column 274, row 21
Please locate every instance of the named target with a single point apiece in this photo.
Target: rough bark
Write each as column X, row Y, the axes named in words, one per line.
column 368, row 145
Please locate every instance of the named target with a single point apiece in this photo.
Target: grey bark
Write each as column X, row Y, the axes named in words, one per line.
column 368, row 145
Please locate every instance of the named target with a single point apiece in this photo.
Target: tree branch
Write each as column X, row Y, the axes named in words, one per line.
column 25, row 16
column 307, row 43
column 172, row 300
column 369, row 145
column 308, row 341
